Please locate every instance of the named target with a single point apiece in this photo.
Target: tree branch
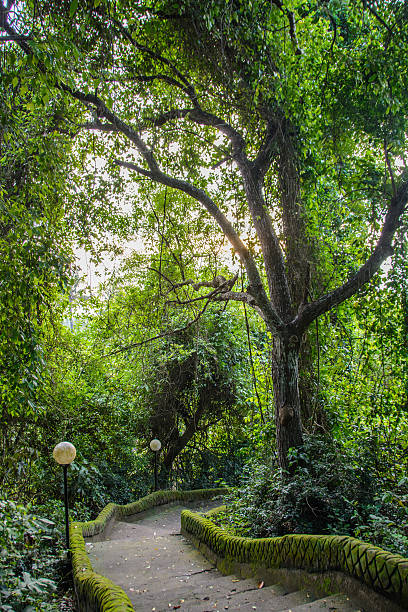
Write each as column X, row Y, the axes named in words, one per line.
column 122, row 349
column 258, row 289
column 148, row 78
column 382, row 250
column 224, row 296
column 186, row 86
column 263, row 160
column 377, row 16
column 203, row 118
column 240, row 296
column 271, row 249
column 170, row 115
column 220, row 284
column 222, row 292
column 273, row 255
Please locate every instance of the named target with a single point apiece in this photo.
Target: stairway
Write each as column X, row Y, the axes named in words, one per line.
column 215, row 593
column 161, row 571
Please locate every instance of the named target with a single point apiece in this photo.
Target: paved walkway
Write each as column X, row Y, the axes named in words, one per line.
column 160, row 571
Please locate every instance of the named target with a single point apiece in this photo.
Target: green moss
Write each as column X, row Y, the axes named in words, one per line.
column 385, row 572
column 95, row 592
column 215, row 511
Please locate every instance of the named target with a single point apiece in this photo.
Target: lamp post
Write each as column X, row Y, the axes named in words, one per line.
column 155, row 445
column 64, row 454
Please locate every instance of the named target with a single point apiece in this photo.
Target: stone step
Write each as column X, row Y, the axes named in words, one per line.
column 209, row 600
column 212, row 584
column 268, row 600
column 216, row 580
column 334, row 603
column 211, row 591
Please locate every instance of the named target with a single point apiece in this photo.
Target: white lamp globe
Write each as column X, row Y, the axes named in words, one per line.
column 64, row 453
column 155, row 445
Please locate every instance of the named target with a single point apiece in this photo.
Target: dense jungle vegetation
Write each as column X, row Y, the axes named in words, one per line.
column 235, row 172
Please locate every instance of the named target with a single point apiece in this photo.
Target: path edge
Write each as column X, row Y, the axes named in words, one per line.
column 94, row 592
column 331, row 556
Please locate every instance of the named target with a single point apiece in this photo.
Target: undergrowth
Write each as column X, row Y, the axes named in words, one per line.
column 330, row 490
column 34, row 574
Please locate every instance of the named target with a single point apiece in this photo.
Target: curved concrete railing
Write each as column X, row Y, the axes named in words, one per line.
column 380, row 570
column 95, row 592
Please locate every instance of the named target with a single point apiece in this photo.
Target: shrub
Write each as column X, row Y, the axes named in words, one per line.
column 25, row 558
column 331, row 489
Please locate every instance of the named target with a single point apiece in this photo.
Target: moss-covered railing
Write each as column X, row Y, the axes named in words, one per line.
column 95, row 593
column 380, row 570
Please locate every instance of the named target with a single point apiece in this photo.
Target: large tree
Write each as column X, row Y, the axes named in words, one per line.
column 291, row 114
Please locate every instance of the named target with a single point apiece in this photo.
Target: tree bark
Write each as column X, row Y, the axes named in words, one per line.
column 178, row 443
column 285, row 375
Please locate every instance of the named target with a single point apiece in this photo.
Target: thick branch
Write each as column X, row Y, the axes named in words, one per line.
column 222, row 292
column 240, row 296
column 264, row 157
column 182, row 441
column 220, row 284
column 271, row 250
column 175, row 113
column 383, row 249
column 203, row 118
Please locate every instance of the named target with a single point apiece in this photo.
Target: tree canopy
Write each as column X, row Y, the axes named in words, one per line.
column 285, row 121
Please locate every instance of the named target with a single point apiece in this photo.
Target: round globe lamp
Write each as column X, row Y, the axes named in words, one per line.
column 64, row 453
column 155, row 446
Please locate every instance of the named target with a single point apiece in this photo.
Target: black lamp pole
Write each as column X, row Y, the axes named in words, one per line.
column 155, row 446
column 65, row 470
column 64, row 454
column 155, row 471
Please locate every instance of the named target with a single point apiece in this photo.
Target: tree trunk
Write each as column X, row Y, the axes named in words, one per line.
column 285, row 374
column 178, row 444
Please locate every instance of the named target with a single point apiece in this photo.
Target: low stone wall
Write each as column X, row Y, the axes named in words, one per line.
column 95, row 593
column 380, row 570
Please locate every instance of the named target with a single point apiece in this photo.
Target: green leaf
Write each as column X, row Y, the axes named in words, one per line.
column 73, row 8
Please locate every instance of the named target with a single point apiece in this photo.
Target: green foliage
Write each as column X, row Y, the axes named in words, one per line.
column 337, row 87
column 332, row 489
column 33, row 254
column 28, row 557
column 194, row 383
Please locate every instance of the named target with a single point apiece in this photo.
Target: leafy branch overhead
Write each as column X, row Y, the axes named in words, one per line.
column 292, row 108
